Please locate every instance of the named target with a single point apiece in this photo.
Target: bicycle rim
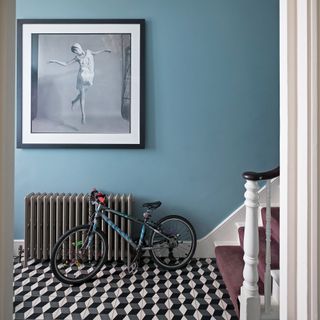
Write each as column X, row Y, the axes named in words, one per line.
column 75, row 258
column 175, row 252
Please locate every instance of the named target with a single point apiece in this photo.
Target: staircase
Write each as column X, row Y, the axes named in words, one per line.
column 260, row 251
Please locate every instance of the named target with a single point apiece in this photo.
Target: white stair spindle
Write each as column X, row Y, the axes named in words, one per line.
column 249, row 294
column 267, row 275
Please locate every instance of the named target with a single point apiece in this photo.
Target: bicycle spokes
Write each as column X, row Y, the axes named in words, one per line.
column 75, row 260
column 175, row 243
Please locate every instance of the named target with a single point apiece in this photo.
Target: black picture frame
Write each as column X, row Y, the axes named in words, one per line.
column 80, row 83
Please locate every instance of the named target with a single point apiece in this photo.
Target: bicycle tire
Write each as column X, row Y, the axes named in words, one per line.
column 163, row 226
column 63, row 258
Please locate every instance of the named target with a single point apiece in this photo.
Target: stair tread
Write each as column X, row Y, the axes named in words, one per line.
column 262, row 251
column 230, row 263
column 275, row 222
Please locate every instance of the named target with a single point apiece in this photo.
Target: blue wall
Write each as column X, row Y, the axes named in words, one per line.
column 212, row 105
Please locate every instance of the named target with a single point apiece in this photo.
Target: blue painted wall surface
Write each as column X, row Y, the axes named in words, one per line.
column 212, row 104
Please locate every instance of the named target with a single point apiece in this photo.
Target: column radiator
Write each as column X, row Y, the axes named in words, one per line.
column 49, row 215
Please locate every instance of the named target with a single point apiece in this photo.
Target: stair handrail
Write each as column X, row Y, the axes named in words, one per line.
column 249, row 294
column 266, row 175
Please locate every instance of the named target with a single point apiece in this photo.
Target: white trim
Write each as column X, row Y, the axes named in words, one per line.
column 7, row 106
column 298, row 159
column 16, row 245
column 303, row 158
column 275, row 274
column 287, row 159
column 225, row 243
column 314, row 154
column 226, row 233
column 286, row 301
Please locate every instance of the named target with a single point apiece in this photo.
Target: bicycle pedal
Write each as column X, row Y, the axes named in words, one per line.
column 133, row 267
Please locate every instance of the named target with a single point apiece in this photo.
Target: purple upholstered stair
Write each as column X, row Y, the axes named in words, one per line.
column 230, row 258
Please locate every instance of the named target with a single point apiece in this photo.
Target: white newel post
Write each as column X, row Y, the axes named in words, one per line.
column 249, row 294
column 267, row 275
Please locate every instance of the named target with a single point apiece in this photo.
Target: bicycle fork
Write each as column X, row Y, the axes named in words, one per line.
column 88, row 242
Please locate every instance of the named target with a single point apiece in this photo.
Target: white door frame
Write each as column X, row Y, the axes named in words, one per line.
column 7, row 107
column 299, row 154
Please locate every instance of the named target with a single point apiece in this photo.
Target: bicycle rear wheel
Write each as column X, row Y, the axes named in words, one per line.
column 176, row 249
column 78, row 255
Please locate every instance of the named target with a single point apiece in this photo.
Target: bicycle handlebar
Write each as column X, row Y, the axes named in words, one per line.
column 97, row 196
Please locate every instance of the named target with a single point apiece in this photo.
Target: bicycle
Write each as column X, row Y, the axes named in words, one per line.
column 80, row 253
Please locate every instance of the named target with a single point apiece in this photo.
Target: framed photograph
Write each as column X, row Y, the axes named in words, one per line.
column 80, row 83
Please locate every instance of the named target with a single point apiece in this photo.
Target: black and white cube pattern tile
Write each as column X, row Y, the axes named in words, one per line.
column 196, row 292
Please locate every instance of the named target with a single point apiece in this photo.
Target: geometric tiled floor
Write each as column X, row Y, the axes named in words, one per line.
column 195, row 292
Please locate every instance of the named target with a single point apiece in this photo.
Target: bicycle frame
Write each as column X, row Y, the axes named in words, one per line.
column 101, row 211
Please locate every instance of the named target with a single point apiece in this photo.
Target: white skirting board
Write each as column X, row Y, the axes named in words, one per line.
column 226, row 233
column 16, row 245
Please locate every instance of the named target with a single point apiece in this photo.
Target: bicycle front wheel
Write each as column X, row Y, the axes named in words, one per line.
column 175, row 243
column 78, row 255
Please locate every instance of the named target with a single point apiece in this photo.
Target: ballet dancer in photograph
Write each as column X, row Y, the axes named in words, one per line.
column 85, row 59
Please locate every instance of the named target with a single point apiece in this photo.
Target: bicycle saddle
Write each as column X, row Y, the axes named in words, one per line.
column 152, row 205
